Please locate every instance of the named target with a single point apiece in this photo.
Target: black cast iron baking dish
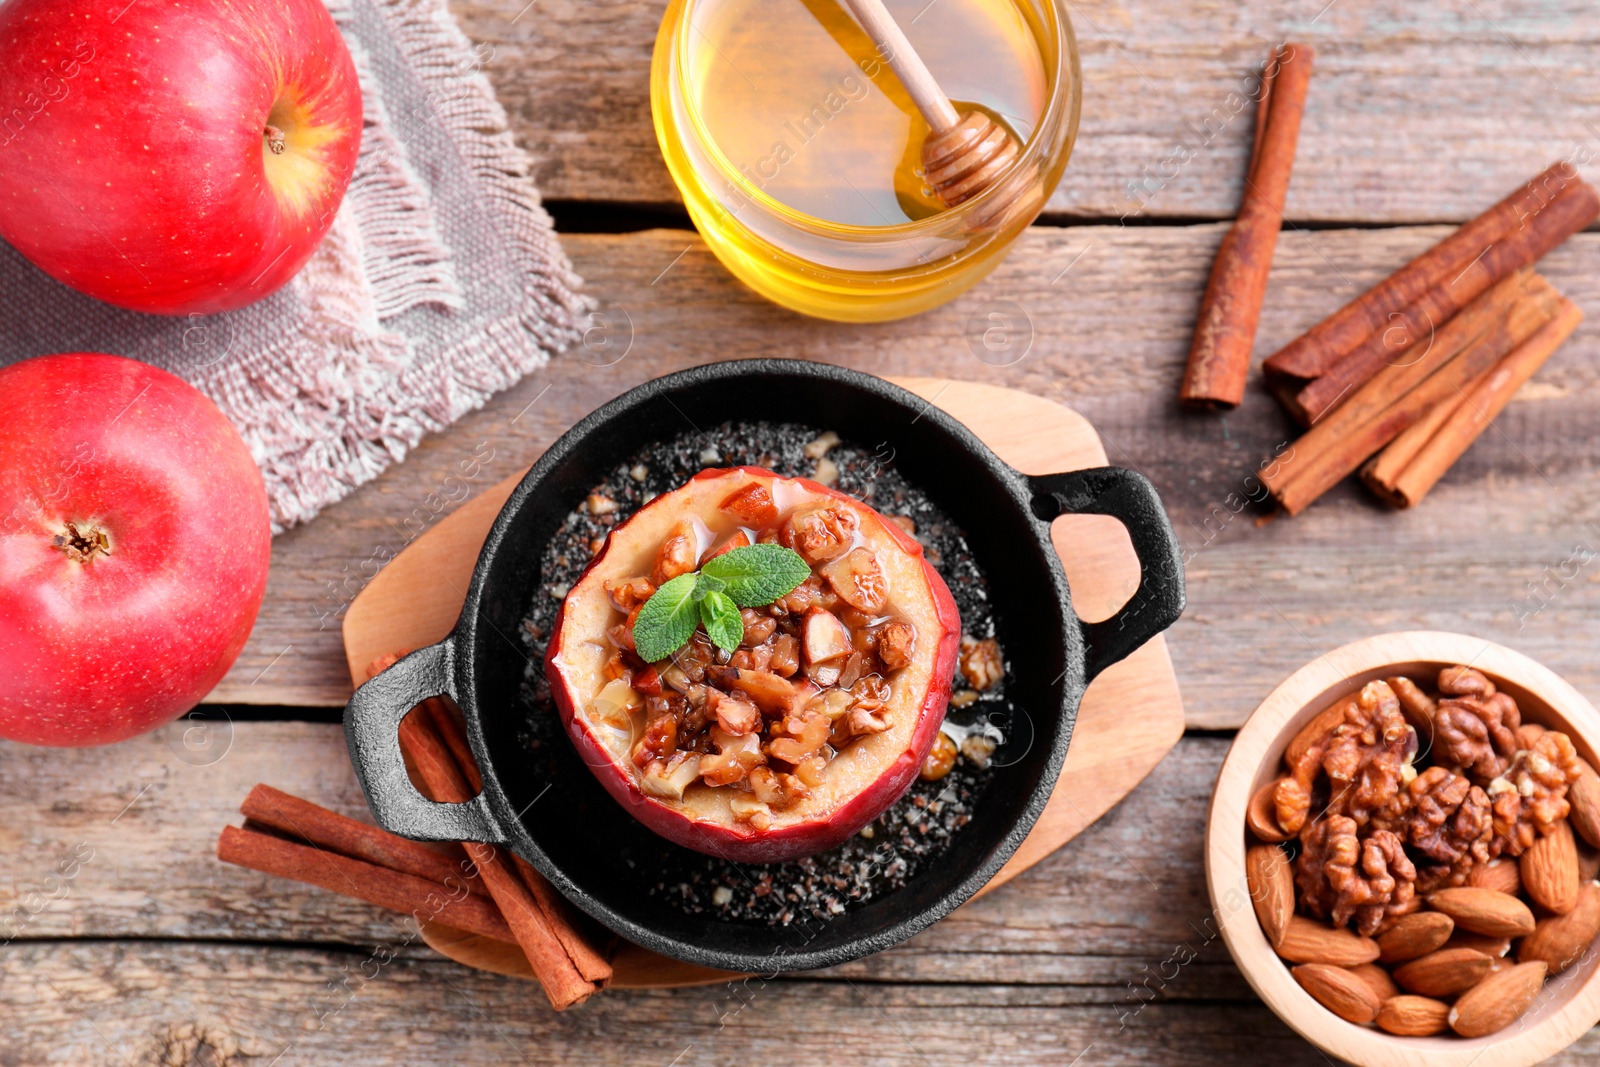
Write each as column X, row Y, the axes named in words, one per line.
column 575, row 839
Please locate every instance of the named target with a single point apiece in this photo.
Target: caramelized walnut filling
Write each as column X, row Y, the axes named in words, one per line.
column 813, row 673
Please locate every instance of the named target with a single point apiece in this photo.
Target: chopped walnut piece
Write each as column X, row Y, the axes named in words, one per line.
column 737, row 717
column 757, row 627
column 775, row 787
column 773, row 695
column 734, row 758
column 752, row 811
column 981, row 663
column 822, row 445
column 600, row 504
column 805, row 732
column 670, row 777
column 629, row 593
column 858, row 580
column 659, row 740
column 978, row 748
column 1531, row 797
column 896, row 644
column 752, row 659
column 785, row 656
column 1367, row 757
column 941, row 758
column 802, row 598
column 819, row 533
column 679, row 554
column 1342, row 878
column 868, row 717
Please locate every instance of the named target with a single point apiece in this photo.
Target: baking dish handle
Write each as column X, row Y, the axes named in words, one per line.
column 1129, row 498
column 372, row 731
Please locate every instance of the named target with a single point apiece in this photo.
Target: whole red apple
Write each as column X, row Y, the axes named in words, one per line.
column 173, row 158
column 134, row 544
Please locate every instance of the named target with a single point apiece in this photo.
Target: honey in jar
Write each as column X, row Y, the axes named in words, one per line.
column 798, row 151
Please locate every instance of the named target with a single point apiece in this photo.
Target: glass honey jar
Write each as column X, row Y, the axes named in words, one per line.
column 797, row 151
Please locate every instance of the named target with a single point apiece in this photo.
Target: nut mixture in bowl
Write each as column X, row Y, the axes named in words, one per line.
column 1416, row 861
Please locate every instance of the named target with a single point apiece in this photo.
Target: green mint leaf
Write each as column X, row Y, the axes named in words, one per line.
column 667, row 620
column 708, row 583
column 758, row 574
column 721, row 617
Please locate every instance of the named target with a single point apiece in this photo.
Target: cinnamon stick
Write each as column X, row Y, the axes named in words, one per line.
column 532, row 929
column 1401, row 395
column 1314, row 352
column 1575, row 206
column 1225, row 330
column 1479, row 406
column 278, row 811
column 422, row 898
column 586, row 957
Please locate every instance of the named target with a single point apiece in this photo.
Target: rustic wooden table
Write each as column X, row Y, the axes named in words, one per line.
column 127, row 943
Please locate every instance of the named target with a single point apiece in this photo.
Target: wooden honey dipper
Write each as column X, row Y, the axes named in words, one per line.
column 963, row 154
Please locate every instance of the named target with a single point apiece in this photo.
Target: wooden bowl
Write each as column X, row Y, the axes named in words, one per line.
column 1569, row 1003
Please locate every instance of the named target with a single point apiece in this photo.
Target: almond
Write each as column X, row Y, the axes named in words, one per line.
column 1341, row 992
column 1271, row 884
column 1262, row 815
column 1316, row 729
column 1562, row 940
column 1484, row 911
column 1493, row 947
column 1584, row 796
column 1307, row 941
column 1377, row 980
column 1417, row 706
column 1411, row 1016
column 1495, row 1003
column 1444, row 973
column 1550, row 870
column 1414, row 935
column 1588, row 862
column 1502, row 876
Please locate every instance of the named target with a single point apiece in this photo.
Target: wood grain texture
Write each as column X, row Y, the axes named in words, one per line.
column 1098, row 318
column 1109, row 942
column 142, row 818
column 1498, row 88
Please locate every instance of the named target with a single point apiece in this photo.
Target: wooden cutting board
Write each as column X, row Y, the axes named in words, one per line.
column 1131, row 715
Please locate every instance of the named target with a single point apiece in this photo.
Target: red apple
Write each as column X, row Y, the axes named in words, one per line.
column 134, row 543
column 173, row 158
column 608, row 698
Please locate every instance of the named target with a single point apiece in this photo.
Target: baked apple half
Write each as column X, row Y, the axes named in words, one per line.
column 755, row 666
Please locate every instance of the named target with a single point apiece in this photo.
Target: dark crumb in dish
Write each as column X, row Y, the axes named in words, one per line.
column 917, row 828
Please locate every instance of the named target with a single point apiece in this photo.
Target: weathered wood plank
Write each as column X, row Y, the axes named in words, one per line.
column 1098, row 317
column 197, row 1005
column 190, row 1005
column 118, row 843
column 1497, row 89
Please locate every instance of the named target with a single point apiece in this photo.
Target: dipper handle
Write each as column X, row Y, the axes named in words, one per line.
column 906, row 64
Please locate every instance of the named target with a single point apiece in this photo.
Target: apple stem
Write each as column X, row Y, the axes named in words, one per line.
column 82, row 545
column 274, row 139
